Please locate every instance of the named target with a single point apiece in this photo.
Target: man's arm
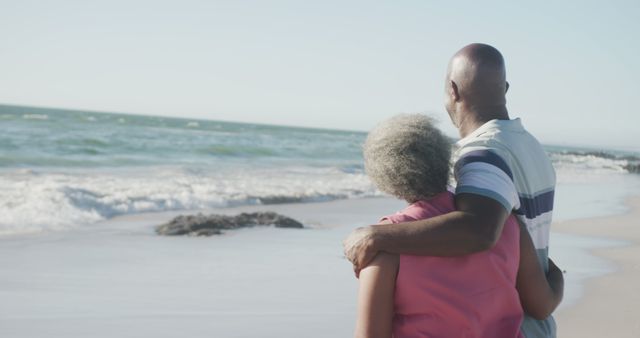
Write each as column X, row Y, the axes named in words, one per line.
column 539, row 294
column 475, row 226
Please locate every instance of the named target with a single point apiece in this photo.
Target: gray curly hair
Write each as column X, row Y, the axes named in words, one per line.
column 408, row 157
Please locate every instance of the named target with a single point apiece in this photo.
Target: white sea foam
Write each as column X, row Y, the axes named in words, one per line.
column 33, row 201
column 43, row 200
column 582, row 168
column 35, row 116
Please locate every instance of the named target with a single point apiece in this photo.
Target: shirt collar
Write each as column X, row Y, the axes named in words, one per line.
column 513, row 124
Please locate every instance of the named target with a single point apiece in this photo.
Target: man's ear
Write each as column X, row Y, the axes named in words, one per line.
column 455, row 94
column 506, row 90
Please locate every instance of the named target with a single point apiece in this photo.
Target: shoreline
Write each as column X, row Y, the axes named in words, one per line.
column 609, row 301
column 324, row 214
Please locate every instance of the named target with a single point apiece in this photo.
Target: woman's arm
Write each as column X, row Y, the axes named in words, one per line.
column 539, row 294
column 375, row 297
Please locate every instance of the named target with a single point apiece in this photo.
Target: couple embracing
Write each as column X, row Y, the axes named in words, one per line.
column 468, row 261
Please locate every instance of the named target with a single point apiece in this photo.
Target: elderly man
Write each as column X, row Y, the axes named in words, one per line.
column 499, row 168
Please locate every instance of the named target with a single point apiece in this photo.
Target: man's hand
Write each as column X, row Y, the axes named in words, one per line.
column 359, row 248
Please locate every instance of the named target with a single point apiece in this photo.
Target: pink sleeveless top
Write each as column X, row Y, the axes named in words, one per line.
column 467, row 296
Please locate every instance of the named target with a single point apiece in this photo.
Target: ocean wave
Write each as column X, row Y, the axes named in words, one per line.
column 602, row 154
column 589, row 163
column 35, row 116
column 236, row 150
column 36, row 201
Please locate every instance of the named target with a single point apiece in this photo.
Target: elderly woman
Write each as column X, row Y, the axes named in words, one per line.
column 417, row 296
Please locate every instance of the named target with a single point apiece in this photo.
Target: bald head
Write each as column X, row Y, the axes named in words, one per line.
column 476, row 83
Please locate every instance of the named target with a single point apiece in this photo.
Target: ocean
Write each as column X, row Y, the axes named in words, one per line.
column 63, row 169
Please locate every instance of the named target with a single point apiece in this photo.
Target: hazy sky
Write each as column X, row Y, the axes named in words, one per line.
column 572, row 65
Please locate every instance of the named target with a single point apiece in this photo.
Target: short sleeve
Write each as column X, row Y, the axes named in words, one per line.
column 483, row 172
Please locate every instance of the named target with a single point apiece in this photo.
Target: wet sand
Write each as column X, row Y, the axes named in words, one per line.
column 610, row 304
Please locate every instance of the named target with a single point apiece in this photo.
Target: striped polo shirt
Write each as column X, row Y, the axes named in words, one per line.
column 502, row 161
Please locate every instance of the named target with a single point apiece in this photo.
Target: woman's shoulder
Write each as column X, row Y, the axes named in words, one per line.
column 437, row 205
column 383, row 265
column 385, row 261
column 440, row 203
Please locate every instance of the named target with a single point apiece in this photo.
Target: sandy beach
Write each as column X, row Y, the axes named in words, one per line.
column 118, row 278
column 610, row 305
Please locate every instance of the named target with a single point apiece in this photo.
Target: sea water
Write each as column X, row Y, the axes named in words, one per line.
column 62, row 169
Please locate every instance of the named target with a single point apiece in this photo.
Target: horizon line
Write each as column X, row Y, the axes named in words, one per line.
column 98, row 111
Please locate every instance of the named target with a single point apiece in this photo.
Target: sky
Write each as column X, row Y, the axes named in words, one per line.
column 572, row 65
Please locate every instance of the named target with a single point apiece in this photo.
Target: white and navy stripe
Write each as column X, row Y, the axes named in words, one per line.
column 502, row 161
column 483, row 172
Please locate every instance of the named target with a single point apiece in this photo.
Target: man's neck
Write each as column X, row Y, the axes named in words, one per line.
column 473, row 118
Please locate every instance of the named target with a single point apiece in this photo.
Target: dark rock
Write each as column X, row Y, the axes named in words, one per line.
column 633, row 168
column 208, row 225
column 206, row 232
